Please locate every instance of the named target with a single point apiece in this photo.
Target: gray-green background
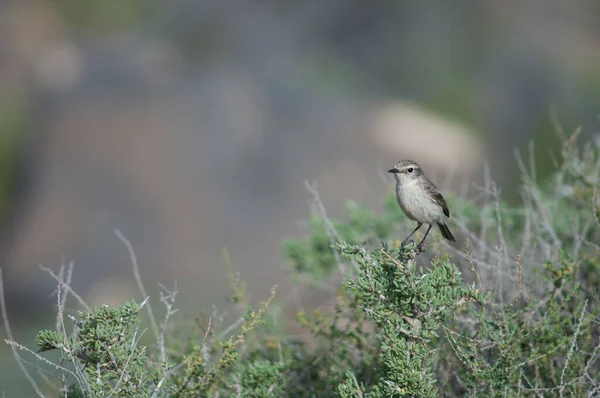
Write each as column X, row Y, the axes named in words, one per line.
column 192, row 125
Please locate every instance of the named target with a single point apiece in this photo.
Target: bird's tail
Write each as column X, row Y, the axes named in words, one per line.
column 446, row 232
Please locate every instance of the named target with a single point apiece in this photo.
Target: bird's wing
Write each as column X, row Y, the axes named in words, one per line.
column 439, row 199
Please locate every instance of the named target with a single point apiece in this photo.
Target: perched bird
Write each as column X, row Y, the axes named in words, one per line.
column 420, row 200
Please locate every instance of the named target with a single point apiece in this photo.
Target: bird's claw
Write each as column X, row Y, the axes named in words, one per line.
column 407, row 242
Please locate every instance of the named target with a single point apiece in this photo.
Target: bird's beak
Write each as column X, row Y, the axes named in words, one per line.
column 394, row 170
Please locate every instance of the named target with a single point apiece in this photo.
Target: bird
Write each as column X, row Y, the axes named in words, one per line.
column 420, row 200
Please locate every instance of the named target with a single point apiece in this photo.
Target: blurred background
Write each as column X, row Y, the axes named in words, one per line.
column 191, row 125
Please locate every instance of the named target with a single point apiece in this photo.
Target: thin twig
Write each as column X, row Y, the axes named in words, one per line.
column 138, row 280
column 330, row 230
column 11, row 338
column 81, row 378
column 392, row 259
column 168, row 301
column 572, row 349
column 37, row 356
column 67, row 287
column 159, row 385
column 231, row 327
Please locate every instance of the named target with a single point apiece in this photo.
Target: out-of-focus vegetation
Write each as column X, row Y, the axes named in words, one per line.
column 105, row 16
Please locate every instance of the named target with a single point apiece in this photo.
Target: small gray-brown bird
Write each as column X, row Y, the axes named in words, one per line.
column 420, row 200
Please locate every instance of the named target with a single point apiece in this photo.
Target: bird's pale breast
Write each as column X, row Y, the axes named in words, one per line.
column 417, row 205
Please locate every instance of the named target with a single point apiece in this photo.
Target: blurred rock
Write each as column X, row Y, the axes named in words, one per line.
column 59, row 67
column 408, row 131
column 27, row 30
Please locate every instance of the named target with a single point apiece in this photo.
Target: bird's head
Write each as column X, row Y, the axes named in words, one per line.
column 406, row 170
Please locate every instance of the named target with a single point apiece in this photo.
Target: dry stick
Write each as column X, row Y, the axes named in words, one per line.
column 11, row 338
column 159, row 385
column 482, row 247
column 533, row 172
column 67, row 283
column 594, row 391
column 330, row 230
column 469, row 259
column 61, row 301
column 555, row 121
column 532, row 161
column 204, row 347
column 484, row 219
column 580, row 236
column 138, row 280
column 590, row 363
column 519, row 275
column 129, row 358
column 492, row 190
column 81, row 378
column 66, row 286
column 392, row 259
column 230, row 328
column 40, row 358
column 482, row 264
column 470, row 235
column 549, row 389
column 572, row 349
column 504, row 257
column 527, row 228
column 536, row 198
column 168, row 300
column 279, row 349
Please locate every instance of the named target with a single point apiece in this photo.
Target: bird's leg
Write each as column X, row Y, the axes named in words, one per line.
column 405, row 241
column 419, row 246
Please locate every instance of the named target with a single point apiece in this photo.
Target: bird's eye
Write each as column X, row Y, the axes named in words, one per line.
column 410, row 169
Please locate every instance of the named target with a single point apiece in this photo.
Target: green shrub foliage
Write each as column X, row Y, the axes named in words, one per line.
column 512, row 310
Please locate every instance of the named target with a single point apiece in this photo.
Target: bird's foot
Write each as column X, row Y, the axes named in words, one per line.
column 420, row 248
column 406, row 242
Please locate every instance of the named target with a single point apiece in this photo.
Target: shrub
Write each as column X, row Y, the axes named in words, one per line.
column 512, row 312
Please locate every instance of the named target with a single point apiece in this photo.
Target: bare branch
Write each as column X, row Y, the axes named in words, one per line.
column 10, row 336
column 138, row 280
